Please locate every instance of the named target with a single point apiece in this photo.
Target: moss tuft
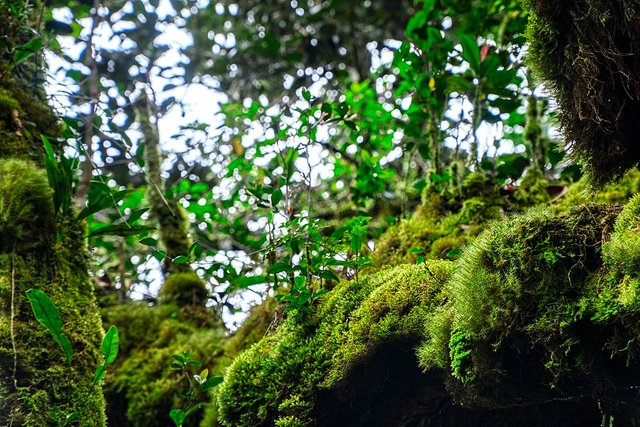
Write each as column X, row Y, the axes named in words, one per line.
column 184, row 289
column 26, row 207
column 532, row 303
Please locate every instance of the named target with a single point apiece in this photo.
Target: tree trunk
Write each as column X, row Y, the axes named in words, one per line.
column 41, row 247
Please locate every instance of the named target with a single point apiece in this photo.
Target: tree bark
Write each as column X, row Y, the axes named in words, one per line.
column 40, row 248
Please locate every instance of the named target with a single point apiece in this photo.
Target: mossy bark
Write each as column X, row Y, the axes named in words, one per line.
column 171, row 217
column 586, row 53
column 40, row 250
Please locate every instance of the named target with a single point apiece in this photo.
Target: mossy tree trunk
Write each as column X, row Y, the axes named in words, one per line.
column 42, row 249
column 170, row 216
column 182, row 284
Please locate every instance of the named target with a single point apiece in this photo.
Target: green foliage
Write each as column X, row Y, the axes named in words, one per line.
column 109, row 348
column 142, row 389
column 48, row 316
column 199, row 384
column 60, row 173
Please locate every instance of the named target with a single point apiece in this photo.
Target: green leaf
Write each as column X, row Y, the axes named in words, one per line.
column 110, row 345
column 196, row 249
column 276, row 197
column 326, row 109
column 417, row 21
column 48, row 315
column 246, row 281
column 135, row 215
column 149, row 241
column 342, row 109
column 159, row 255
column 178, row 416
column 73, row 416
column 279, row 267
column 28, row 49
column 470, row 51
column 329, row 275
column 210, row 383
column 101, row 372
column 180, row 259
column 179, row 358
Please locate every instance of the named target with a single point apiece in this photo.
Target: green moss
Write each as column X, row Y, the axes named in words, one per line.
column 26, row 207
column 442, row 222
column 47, row 388
column 184, row 289
column 615, row 193
column 24, row 117
column 276, row 381
column 533, row 188
column 533, row 291
column 141, row 389
column 395, row 245
column 586, row 67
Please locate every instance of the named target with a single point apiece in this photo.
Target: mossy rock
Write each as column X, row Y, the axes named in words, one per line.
column 291, row 376
column 533, row 316
column 184, row 289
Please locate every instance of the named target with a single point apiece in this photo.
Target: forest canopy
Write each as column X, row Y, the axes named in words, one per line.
column 315, row 212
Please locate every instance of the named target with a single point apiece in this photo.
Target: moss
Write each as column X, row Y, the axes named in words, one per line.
column 184, row 289
column 26, row 207
column 47, row 388
column 533, row 188
column 535, row 311
column 615, row 193
column 402, row 300
column 277, row 380
column 395, row 245
column 447, row 247
column 24, row 117
column 580, row 50
column 141, row 389
column 442, row 222
column 174, row 234
column 253, row 329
